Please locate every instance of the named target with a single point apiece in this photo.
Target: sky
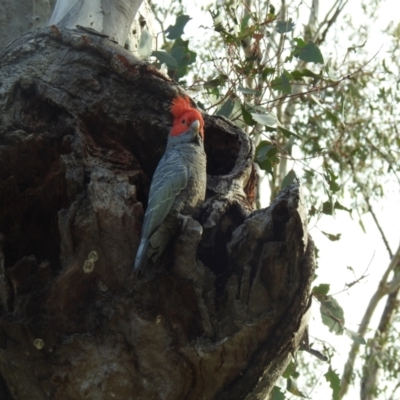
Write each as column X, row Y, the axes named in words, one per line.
column 365, row 252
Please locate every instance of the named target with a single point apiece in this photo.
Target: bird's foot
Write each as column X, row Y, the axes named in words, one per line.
column 183, row 219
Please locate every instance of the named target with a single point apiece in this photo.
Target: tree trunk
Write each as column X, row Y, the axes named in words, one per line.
column 17, row 17
column 110, row 17
column 83, row 126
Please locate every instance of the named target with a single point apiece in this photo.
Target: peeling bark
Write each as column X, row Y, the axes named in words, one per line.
column 83, row 126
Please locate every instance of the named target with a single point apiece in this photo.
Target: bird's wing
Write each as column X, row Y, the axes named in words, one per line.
column 170, row 178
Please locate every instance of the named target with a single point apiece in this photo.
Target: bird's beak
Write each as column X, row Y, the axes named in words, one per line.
column 195, row 125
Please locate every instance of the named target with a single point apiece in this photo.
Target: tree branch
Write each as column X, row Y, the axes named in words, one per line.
column 378, row 225
column 382, row 290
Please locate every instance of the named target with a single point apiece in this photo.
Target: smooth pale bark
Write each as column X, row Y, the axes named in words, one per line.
column 113, row 18
column 83, row 126
column 18, row 17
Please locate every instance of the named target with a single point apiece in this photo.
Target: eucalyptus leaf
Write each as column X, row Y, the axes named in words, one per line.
column 287, row 133
column 248, row 91
column 355, row 336
column 226, row 108
column 310, row 53
column 321, row 290
column 265, row 119
column 291, row 387
column 165, row 58
column 175, row 31
column 288, row 179
column 332, row 314
column 285, row 26
column 332, row 237
column 334, row 382
column 277, row 394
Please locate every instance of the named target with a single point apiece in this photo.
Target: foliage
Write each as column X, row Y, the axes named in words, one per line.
column 326, row 121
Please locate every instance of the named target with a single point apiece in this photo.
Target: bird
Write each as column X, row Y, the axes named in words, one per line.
column 178, row 186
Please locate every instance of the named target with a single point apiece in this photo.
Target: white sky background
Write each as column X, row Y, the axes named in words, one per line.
column 356, row 249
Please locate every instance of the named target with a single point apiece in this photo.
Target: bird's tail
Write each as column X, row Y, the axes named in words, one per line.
column 141, row 258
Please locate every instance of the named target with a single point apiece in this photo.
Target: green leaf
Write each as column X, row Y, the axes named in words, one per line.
column 184, row 52
column 285, row 26
column 333, row 117
column 334, row 186
column 321, row 290
column 330, row 72
column 252, row 107
column 248, row 120
column 266, row 72
column 334, row 382
column 265, row 150
column 266, row 156
column 285, row 132
column 355, row 336
column 248, row 91
column 331, row 237
column 330, row 177
column 226, row 108
column 332, row 314
column 291, row 371
column 276, row 394
column 266, row 166
column 362, row 225
column 298, row 75
column 244, row 23
column 165, row 58
column 300, row 43
column 339, row 206
column 288, row 179
column 175, row 31
column 282, row 83
column 317, row 101
column 327, row 208
column 183, row 55
column 265, row 119
column 216, row 82
column 271, row 9
column 291, row 387
column 310, row 53
column 312, row 211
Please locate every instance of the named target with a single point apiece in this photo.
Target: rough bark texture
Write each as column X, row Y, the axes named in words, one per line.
column 83, row 126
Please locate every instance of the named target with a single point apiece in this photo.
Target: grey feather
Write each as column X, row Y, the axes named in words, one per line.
column 170, row 178
column 178, row 186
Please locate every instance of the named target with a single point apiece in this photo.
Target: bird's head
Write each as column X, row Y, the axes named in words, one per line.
column 185, row 117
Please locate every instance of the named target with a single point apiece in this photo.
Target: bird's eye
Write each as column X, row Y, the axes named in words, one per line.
column 183, row 121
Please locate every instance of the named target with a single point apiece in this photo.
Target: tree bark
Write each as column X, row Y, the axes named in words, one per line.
column 83, row 126
column 109, row 17
column 114, row 19
column 17, row 17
